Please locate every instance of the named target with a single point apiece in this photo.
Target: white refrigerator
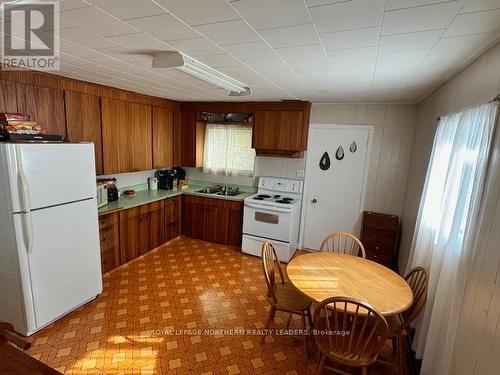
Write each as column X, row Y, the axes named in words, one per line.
column 49, row 236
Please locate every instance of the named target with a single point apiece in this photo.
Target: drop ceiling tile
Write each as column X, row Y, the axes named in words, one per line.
column 196, row 47
column 290, row 36
column 430, row 17
column 474, row 23
column 402, row 4
column 464, row 43
column 195, row 12
column 348, row 15
column 348, row 56
column 315, row 3
column 480, row 5
column 306, row 65
column 302, row 54
column 124, row 9
column 97, row 21
column 250, row 50
column 263, row 14
column 409, row 41
column 218, row 61
column 351, row 39
column 72, row 4
column 164, row 27
column 402, row 58
column 229, row 32
column 86, row 38
column 141, row 42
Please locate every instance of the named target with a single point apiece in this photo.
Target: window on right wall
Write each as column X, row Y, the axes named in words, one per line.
column 228, row 150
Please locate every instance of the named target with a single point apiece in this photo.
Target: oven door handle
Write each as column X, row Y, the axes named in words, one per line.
column 263, row 208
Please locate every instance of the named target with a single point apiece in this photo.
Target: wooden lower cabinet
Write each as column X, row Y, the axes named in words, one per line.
column 173, row 214
column 214, row 220
column 141, row 230
column 110, row 242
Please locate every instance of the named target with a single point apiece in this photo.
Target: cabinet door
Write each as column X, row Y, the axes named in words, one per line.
column 127, row 136
column 198, row 221
column 265, row 130
column 44, row 105
column 83, row 121
column 290, row 132
column 8, row 98
column 163, row 137
column 110, row 242
column 235, row 227
column 157, row 226
column 131, row 243
column 188, row 139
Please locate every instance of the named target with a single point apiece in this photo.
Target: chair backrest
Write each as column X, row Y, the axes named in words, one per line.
column 418, row 281
column 355, row 331
column 270, row 264
column 343, row 243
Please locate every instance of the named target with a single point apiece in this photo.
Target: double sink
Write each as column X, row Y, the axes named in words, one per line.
column 226, row 190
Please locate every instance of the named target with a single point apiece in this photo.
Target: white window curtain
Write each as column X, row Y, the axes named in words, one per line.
column 447, row 223
column 228, row 150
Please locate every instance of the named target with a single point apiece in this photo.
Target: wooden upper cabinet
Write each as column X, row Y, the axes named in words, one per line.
column 8, row 98
column 280, row 131
column 188, row 139
column 127, row 136
column 163, row 137
column 83, row 122
column 44, row 105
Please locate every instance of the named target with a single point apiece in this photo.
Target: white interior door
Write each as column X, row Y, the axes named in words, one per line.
column 64, row 263
column 335, row 188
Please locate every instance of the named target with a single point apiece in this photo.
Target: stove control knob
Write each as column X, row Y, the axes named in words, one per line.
column 314, row 201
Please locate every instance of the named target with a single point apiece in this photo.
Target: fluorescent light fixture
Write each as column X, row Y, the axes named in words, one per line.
column 174, row 59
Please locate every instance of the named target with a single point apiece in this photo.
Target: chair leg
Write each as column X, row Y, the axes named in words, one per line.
column 270, row 318
column 309, row 318
column 304, row 327
column 321, row 364
column 401, row 354
column 289, row 321
column 364, row 371
column 394, row 347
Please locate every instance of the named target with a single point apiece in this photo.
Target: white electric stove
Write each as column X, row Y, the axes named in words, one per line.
column 273, row 213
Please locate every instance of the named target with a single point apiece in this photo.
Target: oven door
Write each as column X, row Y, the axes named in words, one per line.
column 266, row 222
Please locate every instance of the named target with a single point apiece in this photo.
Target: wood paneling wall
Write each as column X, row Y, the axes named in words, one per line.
column 478, row 342
column 390, row 155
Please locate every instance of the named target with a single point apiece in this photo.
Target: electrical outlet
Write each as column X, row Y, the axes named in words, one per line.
column 301, row 173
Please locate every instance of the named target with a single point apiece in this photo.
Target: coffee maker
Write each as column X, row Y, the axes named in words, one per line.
column 165, row 178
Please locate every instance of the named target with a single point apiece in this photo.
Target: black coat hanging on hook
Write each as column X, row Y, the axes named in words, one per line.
column 353, row 147
column 324, row 162
column 339, row 155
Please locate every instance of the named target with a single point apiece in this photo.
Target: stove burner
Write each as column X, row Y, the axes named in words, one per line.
column 283, row 201
column 258, row 198
column 276, row 196
column 263, row 196
column 288, row 199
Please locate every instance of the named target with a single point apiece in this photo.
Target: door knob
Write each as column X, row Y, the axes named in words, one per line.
column 314, row 200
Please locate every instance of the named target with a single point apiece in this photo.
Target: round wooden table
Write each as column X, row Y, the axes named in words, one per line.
column 321, row 275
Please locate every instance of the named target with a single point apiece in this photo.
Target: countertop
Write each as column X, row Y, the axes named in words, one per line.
column 145, row 196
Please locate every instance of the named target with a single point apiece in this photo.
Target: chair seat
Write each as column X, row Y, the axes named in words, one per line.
column 290, row 299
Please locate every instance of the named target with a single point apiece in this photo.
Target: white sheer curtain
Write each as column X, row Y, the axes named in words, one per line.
column 228, row 150
column 447, row 223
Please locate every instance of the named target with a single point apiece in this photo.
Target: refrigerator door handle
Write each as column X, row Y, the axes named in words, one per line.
column 28, row 231
column 24, row 182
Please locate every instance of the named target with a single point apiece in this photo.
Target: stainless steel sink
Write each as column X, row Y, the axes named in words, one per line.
column 223, row 190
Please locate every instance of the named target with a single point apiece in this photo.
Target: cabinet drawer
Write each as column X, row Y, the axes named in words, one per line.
column 378, row 221
column 141, row 210
column 108, row 220
column 380, row 258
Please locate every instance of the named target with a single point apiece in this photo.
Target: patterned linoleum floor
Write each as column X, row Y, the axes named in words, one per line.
column 188, row 307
